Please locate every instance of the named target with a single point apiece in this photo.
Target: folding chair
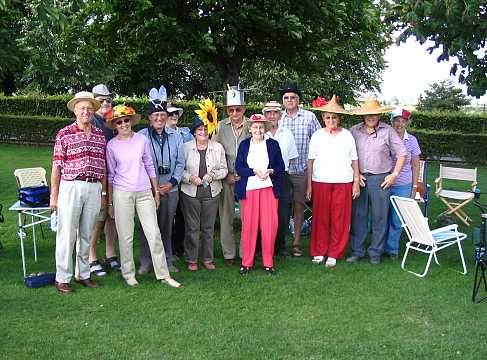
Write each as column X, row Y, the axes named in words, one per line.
column 30, row 177
column 422, row 193
column 453, row 199
column 421, row 238
column 26, row 177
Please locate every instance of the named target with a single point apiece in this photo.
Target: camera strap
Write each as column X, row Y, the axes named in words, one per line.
column 161, row 146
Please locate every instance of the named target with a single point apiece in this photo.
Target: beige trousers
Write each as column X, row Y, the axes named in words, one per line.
column 78, row 205
column 125, row 204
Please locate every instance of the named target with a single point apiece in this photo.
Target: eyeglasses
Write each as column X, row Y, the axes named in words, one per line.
column 234, row 110
column 119, row 122
column 290, row 97
column 107, row 100
column 174, row 113
column 87, row 109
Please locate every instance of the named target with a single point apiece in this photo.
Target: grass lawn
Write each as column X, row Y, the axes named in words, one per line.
column 304, row 312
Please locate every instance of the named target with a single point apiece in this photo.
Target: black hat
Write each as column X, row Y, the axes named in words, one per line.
column 155, row 106
column 290, row 87
column 197, row 122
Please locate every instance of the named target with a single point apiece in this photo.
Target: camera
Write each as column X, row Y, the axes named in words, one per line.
column 164, row 170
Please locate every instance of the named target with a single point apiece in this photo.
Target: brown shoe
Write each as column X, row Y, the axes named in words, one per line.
column 229, row 262
column 88, row 283
column 63, row 288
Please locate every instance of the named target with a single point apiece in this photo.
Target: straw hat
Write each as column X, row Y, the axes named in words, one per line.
column 371, row 107
column 121, row 111
column 271, row 106
column 332, row 106
column 83, row 96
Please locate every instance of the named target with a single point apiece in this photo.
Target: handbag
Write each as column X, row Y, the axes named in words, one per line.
column 35, row 196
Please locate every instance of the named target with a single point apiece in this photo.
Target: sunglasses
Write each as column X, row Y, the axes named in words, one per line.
column 290, row 97
column 234, row 110
column 174, row 113
column 107, row 100
column 119, row 122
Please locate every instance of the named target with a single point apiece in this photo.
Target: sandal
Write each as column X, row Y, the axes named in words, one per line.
column 297, row 252
column 210, row 266
column 97, row 269
column 113, row 264
column 269, row 270
column 244, row 270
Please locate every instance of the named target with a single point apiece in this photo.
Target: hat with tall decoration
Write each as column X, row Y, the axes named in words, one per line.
column 233, row 96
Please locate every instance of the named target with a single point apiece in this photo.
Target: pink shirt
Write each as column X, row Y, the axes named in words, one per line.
column 130, row 165
column 80, row 155
column 376, row 151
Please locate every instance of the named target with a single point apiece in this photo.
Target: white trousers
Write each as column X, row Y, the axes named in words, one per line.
column 78, row 205
column 125, row 203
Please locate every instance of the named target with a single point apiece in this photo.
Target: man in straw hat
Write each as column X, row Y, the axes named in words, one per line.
column 303, row 124
column 78, row 189
column 376, row 143
column 272, row 112
column 230, row 133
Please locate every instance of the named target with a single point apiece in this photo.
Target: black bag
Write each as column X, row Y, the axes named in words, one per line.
column 36, row 196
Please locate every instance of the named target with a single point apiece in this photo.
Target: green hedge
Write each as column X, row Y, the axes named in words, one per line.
column 55, row 106
column 30, row 129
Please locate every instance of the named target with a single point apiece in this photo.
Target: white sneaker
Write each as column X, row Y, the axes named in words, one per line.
column 132, row 282
column 318, row 259
column 171, row 282
column 331, row 262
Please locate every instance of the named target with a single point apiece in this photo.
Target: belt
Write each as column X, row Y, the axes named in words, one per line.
column 87, row 179
column 370, row 174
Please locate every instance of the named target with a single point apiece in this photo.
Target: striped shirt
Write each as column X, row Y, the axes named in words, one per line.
column 303, row 125
column 412, row 146
column 80, row 155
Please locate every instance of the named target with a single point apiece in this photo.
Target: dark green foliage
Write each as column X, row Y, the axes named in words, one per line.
column 442, row 96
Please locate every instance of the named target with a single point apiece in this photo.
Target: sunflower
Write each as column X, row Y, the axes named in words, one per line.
column 208, row 115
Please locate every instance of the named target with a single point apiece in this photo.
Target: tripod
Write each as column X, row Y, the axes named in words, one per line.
column 480, row 256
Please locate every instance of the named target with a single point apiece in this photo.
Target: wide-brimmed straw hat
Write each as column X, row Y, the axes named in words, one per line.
column 121, row 111
column 83, row 96
column 371, row 107
column 331, row 106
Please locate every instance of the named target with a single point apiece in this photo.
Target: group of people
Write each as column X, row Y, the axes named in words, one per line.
column 178, row 180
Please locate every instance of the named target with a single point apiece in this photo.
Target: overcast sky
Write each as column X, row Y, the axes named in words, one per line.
column 411, row 69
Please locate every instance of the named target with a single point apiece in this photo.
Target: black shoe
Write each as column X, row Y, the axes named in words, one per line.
column 270, row 271
column 244, row 270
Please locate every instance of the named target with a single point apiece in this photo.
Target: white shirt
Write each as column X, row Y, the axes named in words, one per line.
column 258, row 159
column 286, row 141
column 332, row 155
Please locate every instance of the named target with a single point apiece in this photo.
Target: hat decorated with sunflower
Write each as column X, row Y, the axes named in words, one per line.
column 208, row 115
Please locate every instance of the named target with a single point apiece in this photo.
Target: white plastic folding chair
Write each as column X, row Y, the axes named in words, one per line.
column 421, row 238
column 30, row 177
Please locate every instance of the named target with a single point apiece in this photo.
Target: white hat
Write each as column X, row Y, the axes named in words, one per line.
column 83, row 96
column 172, row 108
column 234, row 96
column 101, row 90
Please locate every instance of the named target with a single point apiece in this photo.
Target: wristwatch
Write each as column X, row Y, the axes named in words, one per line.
column 103, row 193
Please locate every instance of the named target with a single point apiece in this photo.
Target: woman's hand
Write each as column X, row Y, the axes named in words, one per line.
column 196, row 180
column 110, row 211
column 309, row 192
column 261, row 174
column 157, row 199
column 356, row 189
column 208, row 178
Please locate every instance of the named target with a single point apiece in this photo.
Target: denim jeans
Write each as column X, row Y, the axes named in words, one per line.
column 395, row 229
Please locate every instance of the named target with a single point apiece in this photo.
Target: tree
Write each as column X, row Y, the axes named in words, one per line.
column 458, row 28
column 194, row 47
column 442, row 96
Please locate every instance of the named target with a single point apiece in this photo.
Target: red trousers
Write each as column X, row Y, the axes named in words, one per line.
column 332, row 214
column 259, row 208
